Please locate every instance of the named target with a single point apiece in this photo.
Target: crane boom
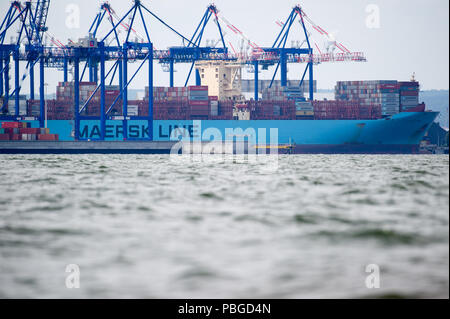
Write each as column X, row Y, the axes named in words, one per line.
column 41, row 14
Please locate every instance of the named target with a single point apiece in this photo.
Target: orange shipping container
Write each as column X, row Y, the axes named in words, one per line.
column 48, row 137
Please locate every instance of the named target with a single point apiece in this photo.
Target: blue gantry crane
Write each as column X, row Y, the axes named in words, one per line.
column 190, row 53
column 100, row 52
column 121, row 53
column 31, row 27
column 196, row 40
column 280, row 55
column 41, row 14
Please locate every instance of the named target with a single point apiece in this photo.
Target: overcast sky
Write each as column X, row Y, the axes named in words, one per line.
column 399, row 37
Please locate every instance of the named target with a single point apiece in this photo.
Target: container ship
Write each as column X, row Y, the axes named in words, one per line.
column 378, row 117
column 92, row 117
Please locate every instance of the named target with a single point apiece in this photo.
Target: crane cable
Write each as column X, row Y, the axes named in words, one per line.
column 339, row 45
column 126, row 26
column 237, row 31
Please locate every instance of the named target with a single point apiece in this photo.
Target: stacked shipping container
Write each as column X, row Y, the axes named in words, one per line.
column 21, row 131
column 172, row 94
column 368, row 93
column 303, row 109
column 354, row 100
column 184, row 103
column 198, row 98
column 272, row 110
column 345, row 110
column 224, row 110
column 169, row 110
column 63, row 107
column 409, row 95
column 22, row 105
column 392, row 96
column 283, row 94
column 181, row 103
column 274, row 94
column 11, row 105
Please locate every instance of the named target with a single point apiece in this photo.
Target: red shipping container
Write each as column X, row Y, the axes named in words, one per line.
column 88, row 84
column 198, row 88
column 4, row 137
column 199, row 112
column 389, row 86
column 409, row 93
column 408, row 84
column 408, row 88
column 11, row 125
column 199, row 103
column 48, row 137
column 29, row 131
column 16, row 137
column 10, row 130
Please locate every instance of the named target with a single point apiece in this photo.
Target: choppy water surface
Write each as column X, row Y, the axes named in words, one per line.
column 146, row 227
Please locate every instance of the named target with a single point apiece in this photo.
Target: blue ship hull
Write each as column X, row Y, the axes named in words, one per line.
column 400, row 134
